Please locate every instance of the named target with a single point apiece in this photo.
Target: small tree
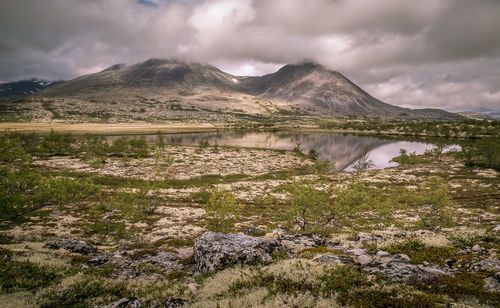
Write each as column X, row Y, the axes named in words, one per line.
column 363, row 163
column 323, row 167
column 434, row 203
column 222, row 210
column 313, row 154
column 309, row 206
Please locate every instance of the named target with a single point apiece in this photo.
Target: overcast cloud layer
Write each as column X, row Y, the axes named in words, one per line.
column 426, row 53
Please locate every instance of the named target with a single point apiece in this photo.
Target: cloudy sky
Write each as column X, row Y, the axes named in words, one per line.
column 426, row 53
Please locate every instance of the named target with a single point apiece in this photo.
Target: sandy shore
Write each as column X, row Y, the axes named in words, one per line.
column 108, row 128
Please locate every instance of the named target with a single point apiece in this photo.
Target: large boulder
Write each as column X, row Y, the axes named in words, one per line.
column 399, row 268
column 294, row 243
column 214, row 250
column 75, row 246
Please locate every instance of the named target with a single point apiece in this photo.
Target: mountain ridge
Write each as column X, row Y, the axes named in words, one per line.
column 166, row 88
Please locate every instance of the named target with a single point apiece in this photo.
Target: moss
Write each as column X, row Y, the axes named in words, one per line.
column 175, row 275
column 138, row 254
column 79, row 259
column 311, row 252
column 180, row 242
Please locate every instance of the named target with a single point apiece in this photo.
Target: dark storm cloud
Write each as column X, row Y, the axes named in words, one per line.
column 427, row 53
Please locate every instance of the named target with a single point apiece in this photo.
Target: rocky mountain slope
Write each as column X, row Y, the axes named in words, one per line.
column 24, row 87
column 160, row 89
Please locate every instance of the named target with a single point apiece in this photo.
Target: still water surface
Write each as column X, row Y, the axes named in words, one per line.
column 344, row 150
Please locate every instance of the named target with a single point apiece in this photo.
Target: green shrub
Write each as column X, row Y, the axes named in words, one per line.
column 323, row 167
column 93, row 146
column 462, row 285
column 58, row 144
column 419, row 252
column 222, row 210
column 309, row 207
column 298, row 149
column 363, row 163
column 484, row 152
column 203, row 144
column 433, row 202
column 407, row 159
column 312, row 154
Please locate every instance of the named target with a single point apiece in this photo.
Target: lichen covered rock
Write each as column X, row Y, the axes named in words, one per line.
column 214, row 250
column 75, row 246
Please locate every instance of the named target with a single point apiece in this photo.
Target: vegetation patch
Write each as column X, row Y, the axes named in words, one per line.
column 420, row 252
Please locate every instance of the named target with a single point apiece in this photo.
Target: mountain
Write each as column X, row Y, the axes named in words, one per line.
column 311, row 83
column 24, row 87
column 156, row 74
column 160, row 89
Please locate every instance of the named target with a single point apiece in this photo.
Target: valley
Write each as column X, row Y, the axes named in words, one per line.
column 169, row 183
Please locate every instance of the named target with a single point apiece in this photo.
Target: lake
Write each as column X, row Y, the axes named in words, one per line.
column 344, row 150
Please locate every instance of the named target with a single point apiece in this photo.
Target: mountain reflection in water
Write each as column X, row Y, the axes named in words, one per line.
column 344, row 150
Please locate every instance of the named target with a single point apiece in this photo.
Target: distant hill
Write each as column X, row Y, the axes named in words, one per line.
column 160, row 89
column 24, row 87
column 477, row 115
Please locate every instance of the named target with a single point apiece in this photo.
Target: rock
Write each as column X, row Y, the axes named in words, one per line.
column 364, row 237
column 490, row 264
column 193, row 286
column 75, row 246
column 461, row 252
column 401, row 257
column 364, row 259
column 214, row 251
column 293, row 243
column 476, row 248
column 399, row 268
column 496, row 228
column 280, row 231
column 126, row 302
column 425, row 263
column 356, row 251
column 382, row 253
column 98, row 260
column 492, row 284
column 331, row 258
column 434, row 271
column 450, row 262
column 172, row 302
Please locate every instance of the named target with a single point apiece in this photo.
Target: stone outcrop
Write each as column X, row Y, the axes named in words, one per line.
column 492, row 284
column 398, row 268
column 126, row 302
column 293, row 243
column 75, row 246
column 364, row 237
column 214, row 251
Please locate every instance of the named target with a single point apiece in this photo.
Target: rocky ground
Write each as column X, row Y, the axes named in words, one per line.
column 143, row 241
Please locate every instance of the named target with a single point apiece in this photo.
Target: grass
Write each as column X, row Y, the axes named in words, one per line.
column 26, row 276
column 87, row 293
column 462, row 285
